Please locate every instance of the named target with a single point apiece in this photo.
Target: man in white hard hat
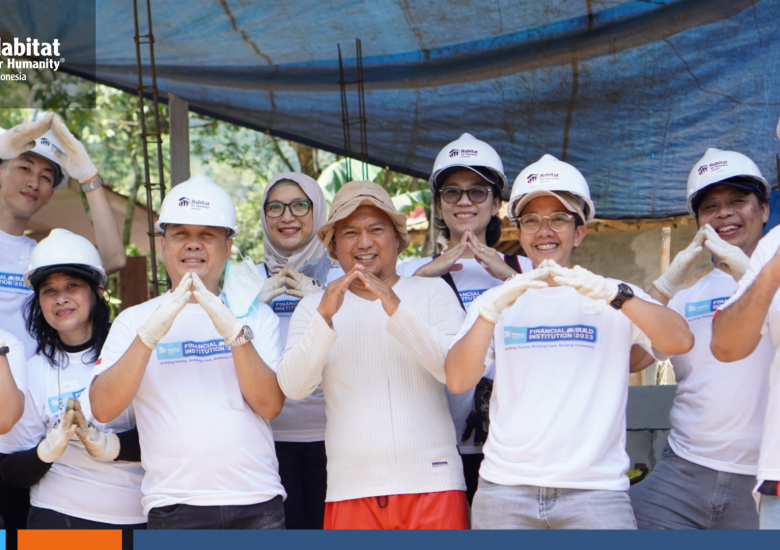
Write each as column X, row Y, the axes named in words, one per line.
column 739, row 330
column 202, row 382
column 564, row 341
column 708, row 469
column 376, row 343
column 36, row 159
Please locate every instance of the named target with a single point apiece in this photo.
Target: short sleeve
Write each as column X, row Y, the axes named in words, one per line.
column 119, row 338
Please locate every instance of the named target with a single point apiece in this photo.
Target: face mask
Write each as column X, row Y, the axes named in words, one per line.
column 242, row 285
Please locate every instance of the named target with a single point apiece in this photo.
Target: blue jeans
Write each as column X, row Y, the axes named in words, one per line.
column 266, row 515
column 528, row 507
column 679, row 494
column 770, row 512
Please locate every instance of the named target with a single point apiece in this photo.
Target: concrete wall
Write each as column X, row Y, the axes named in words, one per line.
column 631, row 256
column 647, row 423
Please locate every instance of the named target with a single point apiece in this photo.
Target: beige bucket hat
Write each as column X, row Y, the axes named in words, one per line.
column 362, row 193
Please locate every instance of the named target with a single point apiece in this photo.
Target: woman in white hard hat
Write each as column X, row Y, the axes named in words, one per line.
column 82, row 475
column 466, row 187
column 563, row 340
column 296, row 265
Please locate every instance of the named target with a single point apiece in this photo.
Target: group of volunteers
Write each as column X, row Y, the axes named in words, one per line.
column 330, row 387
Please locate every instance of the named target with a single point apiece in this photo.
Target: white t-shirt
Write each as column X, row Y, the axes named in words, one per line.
column 201, row 443
column 14, row 259
column 558, row 409
column 18, row 364
column 769, row 459
column 718, row 412
column 300, row 421
column 471, row 282
column 77, row 484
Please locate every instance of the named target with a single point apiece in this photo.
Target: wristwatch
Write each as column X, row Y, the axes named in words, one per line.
column 624, row 294
column 243, row 337
column 91, row 186
column 4, row 350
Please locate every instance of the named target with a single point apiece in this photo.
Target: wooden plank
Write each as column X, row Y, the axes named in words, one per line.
column 133, row 288
column 180, row 139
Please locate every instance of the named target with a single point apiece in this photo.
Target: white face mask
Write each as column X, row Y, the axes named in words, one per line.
column 242, row 285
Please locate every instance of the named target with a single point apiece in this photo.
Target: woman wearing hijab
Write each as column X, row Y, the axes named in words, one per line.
column 296, row 265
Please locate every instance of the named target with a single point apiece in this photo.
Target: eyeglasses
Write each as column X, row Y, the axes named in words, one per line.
column 475, row 194
column 275, row 209
column 559, row 221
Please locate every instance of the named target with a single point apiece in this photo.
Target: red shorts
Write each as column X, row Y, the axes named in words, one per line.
column 440, row 510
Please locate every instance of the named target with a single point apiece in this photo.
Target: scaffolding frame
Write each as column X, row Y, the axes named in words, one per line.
column 346, row 122
column 150, row 136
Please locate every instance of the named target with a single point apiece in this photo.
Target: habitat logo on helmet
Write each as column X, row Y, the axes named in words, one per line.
column 468, row 153
column 550, row 176
column 723, row 167
column 199, row 201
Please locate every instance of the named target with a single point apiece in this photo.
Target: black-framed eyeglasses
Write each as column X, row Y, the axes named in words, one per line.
column 275, row 209
column 559, row 221
column 475, row 194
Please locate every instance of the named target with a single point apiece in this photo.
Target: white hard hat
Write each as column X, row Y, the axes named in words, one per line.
column 546, row 176
column 45, row 146
column 469, row 153
column 716, row 166
column 64, row 251
column 199, row 201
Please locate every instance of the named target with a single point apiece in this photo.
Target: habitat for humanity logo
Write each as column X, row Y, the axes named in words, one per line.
column 713, row 167
column 527, row 335
column 692, row 309
column 178, row 350
column 193, row 204
column 536, row 179
column 40, row 55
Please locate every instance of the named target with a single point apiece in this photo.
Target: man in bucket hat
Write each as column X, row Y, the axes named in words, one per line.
column 376, row 342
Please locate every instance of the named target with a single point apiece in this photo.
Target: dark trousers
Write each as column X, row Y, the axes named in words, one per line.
column 14, row 506
column 303, row 469
column 265, row 515
column 42, row 518
column 471, row 465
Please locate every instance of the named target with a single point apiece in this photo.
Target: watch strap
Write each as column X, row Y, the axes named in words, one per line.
column 91, row 186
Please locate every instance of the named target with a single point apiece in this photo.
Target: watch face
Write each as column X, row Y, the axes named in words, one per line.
column 247, row 333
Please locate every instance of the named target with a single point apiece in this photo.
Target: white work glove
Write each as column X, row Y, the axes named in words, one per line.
column 300, row 285
column 97, row 443
column 158, row 325
column 585, row 282
column 504, row 296
column 75, row 159
column 56, row 439
column 21, row 138
column 224, row 321
column 683, row 272
column 733, row 261
column 273, row 287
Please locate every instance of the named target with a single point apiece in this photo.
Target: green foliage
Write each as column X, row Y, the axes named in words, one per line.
column 334, row 176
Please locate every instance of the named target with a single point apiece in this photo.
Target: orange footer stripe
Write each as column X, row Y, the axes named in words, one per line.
column 75, row 539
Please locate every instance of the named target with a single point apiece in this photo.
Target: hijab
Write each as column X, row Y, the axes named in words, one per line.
column 310, row 259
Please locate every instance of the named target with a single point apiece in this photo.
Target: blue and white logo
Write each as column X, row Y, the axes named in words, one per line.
column 55, row 401
column 468, row 296
column 13, row 280
column 284, row 307
column 178, row 350
column 529, row 335
column 693, row 309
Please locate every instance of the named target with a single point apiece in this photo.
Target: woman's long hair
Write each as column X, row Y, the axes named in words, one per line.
column 49, row 343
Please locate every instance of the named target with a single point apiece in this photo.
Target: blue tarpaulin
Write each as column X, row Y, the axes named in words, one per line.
column 630, row 92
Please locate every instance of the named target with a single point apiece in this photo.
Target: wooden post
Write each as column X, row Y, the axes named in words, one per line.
column 178, row 110
column 133, row 287
column 666, row 247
